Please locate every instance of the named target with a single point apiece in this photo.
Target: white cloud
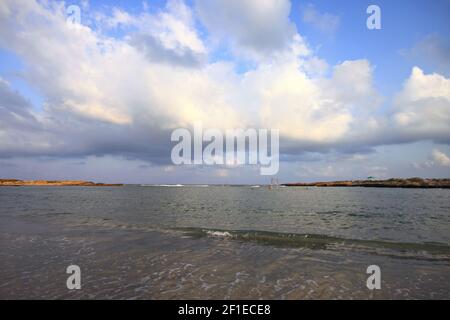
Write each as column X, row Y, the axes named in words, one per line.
column 168, row 35
column 288, row 100
column 422, row 108
column 325, row 22
column 440, row 158
column 174, row 28
column 437, row 158
column 316, row 67
column 119, row 18
column 253, row 27
column 87, row 74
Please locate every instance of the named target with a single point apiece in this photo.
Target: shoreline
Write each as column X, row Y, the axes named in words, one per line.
column 58, row 183
column 388, row 183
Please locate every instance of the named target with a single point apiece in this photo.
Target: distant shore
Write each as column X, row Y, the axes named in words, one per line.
column 61, row 183
column 389, row 183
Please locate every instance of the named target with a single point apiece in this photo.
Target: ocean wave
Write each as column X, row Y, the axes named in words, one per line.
column 162, row 185
column 432, row 251
column 219, row 234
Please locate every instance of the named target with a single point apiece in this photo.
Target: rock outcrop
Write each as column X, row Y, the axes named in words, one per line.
column 389, row 183
column 16, row 182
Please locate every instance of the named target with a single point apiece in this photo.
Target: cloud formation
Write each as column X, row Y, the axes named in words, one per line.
column 422, row 108
column 441, row 158
column 433, row 52
column 325, row 22
column 107, row 95
column 253, row 28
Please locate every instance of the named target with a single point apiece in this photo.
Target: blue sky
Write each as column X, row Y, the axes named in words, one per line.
column 310, row 55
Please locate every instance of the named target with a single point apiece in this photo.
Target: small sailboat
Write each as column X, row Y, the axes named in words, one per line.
column 273, row 183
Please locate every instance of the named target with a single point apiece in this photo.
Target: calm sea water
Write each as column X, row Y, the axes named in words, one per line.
column 224, row 242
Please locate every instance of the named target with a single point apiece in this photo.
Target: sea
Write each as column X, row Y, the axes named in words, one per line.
column 224, row 242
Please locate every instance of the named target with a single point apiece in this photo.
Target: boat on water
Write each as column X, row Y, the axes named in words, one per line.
column 274, row 183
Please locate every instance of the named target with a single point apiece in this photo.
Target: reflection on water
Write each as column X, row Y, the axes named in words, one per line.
column 223, row 242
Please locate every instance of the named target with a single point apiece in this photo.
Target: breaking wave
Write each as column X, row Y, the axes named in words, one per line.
column 427, row 251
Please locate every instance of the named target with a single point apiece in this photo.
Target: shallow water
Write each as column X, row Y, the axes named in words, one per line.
column 224, row 242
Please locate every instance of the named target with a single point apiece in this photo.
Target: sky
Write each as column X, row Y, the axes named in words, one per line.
column 98, row 100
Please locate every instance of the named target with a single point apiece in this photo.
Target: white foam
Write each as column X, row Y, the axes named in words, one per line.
column 220, row 234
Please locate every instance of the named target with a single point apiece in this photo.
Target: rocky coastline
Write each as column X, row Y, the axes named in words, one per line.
column 61, row 183
column 388, row 183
